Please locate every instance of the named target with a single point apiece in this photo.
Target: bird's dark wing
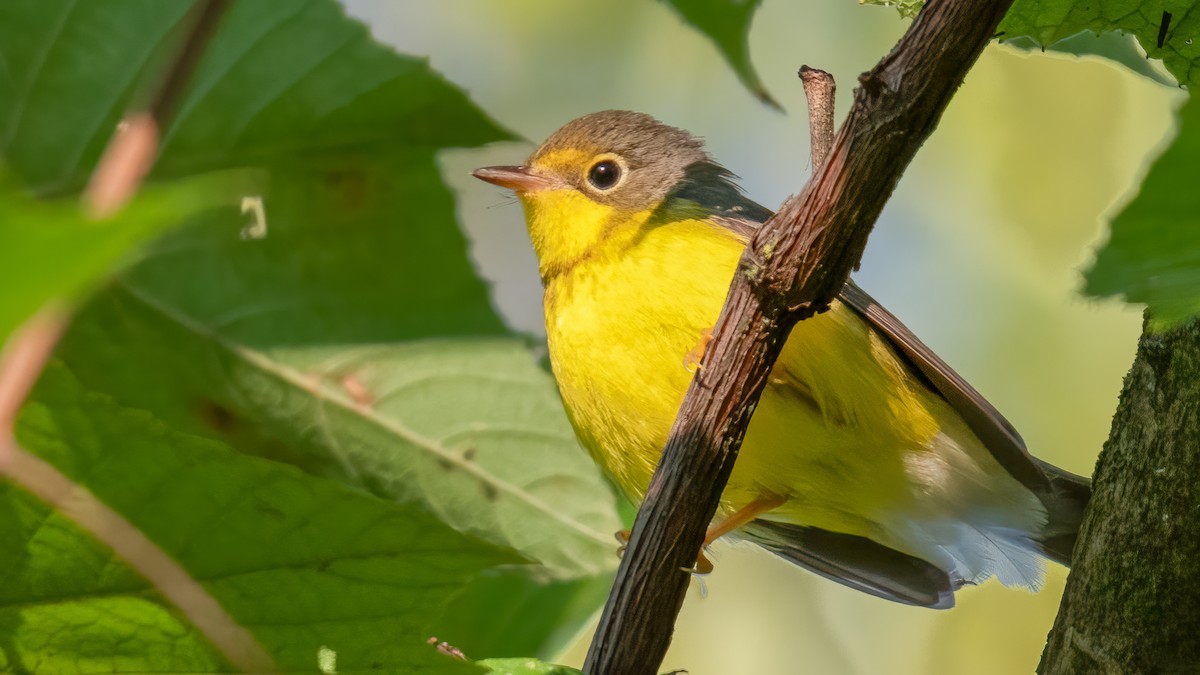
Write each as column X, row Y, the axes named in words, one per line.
column 857, row 562
column 997, row 435
column 988, row 424
column 708, row 190
column 1064, row 494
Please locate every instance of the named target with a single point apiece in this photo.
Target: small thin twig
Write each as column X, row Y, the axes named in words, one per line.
column 134, row 147
column 125, row 163
column 43, row 480
column 22, row 361
column 819, row 89
column 130, row 154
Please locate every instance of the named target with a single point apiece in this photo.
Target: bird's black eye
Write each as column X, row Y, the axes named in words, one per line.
column 604, row 174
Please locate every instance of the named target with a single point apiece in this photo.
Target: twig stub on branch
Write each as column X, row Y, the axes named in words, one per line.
column 819, row 89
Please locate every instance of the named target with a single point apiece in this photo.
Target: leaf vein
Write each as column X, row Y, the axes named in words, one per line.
column 200, row 96
column 38, row 67
column 302, row 382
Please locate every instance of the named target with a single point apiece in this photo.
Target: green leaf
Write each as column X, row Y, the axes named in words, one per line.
column 521, row 610
column 50, row 250
column 355, row 341
column 1153, row 253
column 907, row 8
column 1048, row 21
column 1115, row 46
column 308, row 566
column 281, row 80
column 362, row 278
column 524, row 666
column 727, row 24
column 1151, row 256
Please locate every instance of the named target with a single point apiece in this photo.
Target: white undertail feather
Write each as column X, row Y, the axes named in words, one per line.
column 971, row 518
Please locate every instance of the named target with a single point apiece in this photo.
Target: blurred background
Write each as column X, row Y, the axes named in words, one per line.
column 979, row 252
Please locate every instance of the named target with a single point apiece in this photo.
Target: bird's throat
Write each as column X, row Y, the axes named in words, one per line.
column 567, row 228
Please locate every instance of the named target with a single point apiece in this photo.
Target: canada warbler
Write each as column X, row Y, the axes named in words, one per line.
column 868, row 460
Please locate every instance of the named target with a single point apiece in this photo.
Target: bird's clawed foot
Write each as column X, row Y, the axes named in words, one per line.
column 691, row 362
column 702, row 567
column 622, row 538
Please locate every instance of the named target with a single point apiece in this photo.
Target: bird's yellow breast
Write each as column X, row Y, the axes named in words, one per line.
column 833, row 427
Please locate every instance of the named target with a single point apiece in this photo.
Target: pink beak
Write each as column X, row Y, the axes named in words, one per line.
column 516, row 178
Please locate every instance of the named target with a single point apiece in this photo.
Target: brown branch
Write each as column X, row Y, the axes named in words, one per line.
column 794, row 266
column 819, row 89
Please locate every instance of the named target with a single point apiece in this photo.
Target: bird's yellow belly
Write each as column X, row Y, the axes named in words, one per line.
column 832, row 428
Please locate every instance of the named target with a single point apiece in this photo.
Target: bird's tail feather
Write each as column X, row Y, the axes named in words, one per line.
column 1065, row 504
column 856, row 562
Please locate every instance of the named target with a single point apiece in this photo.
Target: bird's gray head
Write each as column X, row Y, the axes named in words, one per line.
column 632, row 162
column 625, row 159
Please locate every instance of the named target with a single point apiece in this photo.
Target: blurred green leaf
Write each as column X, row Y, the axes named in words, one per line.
column 907, row 8
column 50, row 250
column 524, row 666
column 1153, row 253
column 727, row 24
column 303, row 563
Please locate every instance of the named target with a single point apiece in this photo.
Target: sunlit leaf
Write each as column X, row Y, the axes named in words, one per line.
column 1049, row 21
column 521, row 666
column 907, row 8
column 1166, row 30
column 1153, row 253
column 1114, row 46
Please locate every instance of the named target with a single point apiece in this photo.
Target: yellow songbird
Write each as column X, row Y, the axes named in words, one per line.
column 868, row 460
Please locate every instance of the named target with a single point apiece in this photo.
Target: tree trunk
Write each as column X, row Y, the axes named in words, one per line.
column 1132, row 602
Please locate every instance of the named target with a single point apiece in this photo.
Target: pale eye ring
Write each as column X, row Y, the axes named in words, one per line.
column 605, row 174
